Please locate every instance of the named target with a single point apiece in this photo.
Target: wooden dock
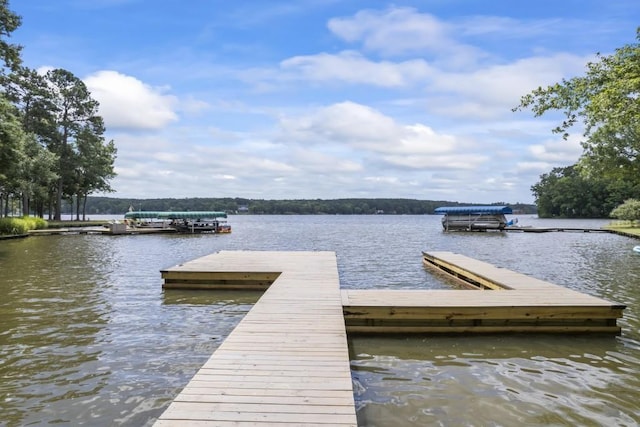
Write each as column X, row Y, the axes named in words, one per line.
column 99, row 230
column 287, row 362
column 503, row 301
column 556, row 229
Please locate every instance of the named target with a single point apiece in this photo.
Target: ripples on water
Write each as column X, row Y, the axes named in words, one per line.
column 87, row 336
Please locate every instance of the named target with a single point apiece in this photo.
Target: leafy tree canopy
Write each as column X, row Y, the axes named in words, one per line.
column 607, row 96
column 607, row 101
column 566, row 193
column 9, row 22
column 628, row 211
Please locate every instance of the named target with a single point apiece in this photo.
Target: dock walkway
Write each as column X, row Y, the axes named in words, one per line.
column 287, row 361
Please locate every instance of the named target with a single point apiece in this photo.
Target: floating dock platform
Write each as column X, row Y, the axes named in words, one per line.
column 516, row 228
column 499, row 301
column 287, row 362
column 106, row 230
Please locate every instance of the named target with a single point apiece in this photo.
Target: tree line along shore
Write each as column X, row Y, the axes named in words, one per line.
column 349, row 206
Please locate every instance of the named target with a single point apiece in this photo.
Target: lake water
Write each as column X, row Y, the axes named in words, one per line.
column 88, row 336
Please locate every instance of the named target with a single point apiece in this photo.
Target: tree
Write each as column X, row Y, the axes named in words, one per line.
column 565, row 192
column 606, row 100
column 74, row 111
column 31, row 93
column 37, row 176
column 12, row 140
column 628, row 211
column 9, row 22
column 615, row 155
column 94, row 165
column 11, row 136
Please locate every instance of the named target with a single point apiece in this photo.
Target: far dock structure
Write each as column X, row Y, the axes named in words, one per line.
column 474, row 218
column 287, row 362
column 184, row 222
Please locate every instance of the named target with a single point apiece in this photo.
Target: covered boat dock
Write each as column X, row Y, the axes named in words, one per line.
column 474, row 218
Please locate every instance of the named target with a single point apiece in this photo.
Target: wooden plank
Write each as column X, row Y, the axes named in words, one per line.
column 218, row 275
column 262, row 408
column 488, row 312
column 205, row 423
column 279, row 395
column 468, row 298
column 255, row 418
column 235, row 396
column 561, row 329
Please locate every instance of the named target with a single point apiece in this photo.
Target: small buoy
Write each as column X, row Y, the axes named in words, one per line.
column 636, row 249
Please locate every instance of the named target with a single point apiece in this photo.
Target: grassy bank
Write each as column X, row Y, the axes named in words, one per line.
column 631, row 228
column 13, row 226
column 17, row 226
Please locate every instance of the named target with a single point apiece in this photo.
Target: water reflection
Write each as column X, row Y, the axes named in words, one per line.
column 231, row 298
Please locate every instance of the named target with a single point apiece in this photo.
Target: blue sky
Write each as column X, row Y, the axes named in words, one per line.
column 325, row 98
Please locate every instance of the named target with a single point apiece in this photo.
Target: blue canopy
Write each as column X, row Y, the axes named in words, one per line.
column 473, row 210
column 175, row 215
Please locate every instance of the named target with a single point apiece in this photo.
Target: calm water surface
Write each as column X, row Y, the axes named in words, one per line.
column 88, row 337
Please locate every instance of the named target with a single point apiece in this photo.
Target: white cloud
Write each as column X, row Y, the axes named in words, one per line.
column 353, row 67
column 315, row 161
column 492, row 91
column 342, row 123
column 128, row 103
column 393, row 30
column 379, row 138
column 403, row 30
column 557, row 152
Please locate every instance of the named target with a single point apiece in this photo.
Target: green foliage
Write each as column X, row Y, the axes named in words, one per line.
column 35, row 223
column 605, row 101
column 606, row 96
column 64, row 155
column 628, row 211
column 12, row 139
column 567, row 193
column 115, row 206
column 12, row 225
column 9, row 22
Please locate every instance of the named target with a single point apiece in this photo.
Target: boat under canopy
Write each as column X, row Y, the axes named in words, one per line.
column 175, row 215
column 474, row 218
column 459, row 210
